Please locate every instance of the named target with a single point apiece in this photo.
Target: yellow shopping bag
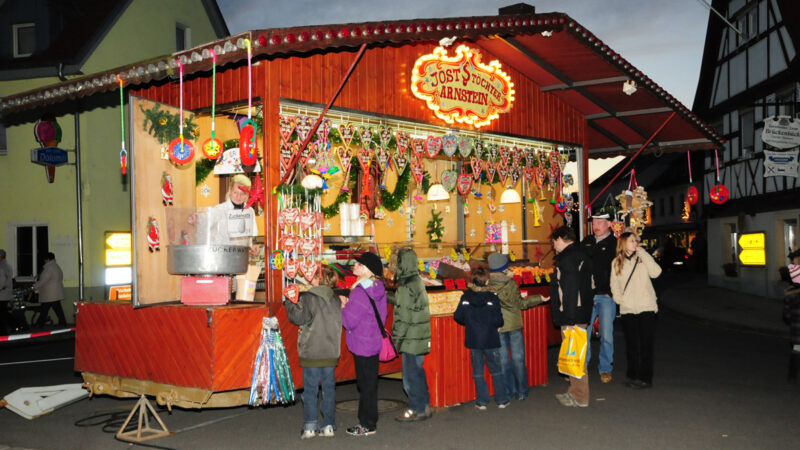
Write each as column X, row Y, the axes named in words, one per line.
column 572, row 356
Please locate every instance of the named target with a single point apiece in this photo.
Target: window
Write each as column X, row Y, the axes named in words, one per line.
column 747, row 131
column 757, row 63
column 785, row 103
column 30, row 243
column 789, row 238
column 183, row 37
column 23, row 36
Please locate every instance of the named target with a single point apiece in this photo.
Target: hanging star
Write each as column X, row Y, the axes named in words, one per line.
column 205, row 190
column 257, row 195
column 539, row 254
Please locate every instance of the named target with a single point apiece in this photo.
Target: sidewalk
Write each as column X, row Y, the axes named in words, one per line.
column 690, row 296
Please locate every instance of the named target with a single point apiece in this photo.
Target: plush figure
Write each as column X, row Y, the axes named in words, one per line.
column 153, row 239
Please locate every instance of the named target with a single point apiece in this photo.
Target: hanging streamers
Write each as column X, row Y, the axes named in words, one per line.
column 272, row 377
column 181, row 151
column 212, row 148
column 123, row 154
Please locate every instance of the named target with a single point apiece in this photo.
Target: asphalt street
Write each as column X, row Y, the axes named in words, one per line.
column 714, row 387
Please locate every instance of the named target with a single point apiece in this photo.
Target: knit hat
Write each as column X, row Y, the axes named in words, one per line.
column 372, row 262
column 498, row 262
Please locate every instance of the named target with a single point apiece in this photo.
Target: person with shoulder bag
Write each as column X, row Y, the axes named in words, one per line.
column 632, row 272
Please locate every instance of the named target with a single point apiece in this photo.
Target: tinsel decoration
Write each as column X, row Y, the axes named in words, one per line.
column 435, row 229
column 392, row 201
column 272, row 377
column 164, row 126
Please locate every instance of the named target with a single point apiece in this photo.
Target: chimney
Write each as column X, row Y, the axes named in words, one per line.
column 518, row 8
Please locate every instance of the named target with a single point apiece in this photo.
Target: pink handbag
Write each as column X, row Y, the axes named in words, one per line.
column 388, row 352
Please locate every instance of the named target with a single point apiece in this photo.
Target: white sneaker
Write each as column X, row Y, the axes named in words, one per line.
column 308, row 434
column 326, row 431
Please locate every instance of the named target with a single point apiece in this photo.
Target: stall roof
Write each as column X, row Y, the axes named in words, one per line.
column 552, row 49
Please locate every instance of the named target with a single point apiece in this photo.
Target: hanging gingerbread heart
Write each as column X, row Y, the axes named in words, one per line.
column 364, row 158
column 449, row 144
column 345, row 157
column 719, row 194
column 291, row 291
column 288, row 242
column 514, row 174
column 433, row 145
column 386, row 136
column 502, row 171
column 465, row 146
column 403, row 140
column 516, row 156
column 529, row 173
column 449, row 180
column 309, row 269
column 307, row 246
column 417, row 168
column 464, row 183
column 365, row 134
column 490, row 171
column 307, row 153
column 286, row 152
column 288, row 216
column 400, row 160
column 478, row 146
column 346, row 132
column 505, row 153
column 492, row 153
column 418, row 146
column 477, row 167
column 530, row 157
column 382, row 155
column 303, row 126
column 324, row 131
column 287, row 125
column 307, row 220
column 291, row 267
column 692, row 195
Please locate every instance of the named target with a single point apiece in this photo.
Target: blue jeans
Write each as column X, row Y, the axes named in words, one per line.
column 312, row 378
column 415, row 383
column 493, row 357
column 514, row 370
column 606, row 309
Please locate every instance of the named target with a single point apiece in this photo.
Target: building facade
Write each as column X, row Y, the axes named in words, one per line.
column 750, row 73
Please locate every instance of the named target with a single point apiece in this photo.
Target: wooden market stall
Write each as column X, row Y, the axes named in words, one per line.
column 563, row 101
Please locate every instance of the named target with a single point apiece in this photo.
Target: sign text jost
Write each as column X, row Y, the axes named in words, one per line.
column 461, row 88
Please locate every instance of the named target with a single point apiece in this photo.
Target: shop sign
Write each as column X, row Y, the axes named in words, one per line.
column 753, row 252
column 781, row 132
column 118, row 249
column 50, row 158
column 461, row 88
column 780, row 164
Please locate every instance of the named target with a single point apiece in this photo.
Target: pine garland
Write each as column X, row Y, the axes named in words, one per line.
column 435, row 229
column 202, row 168
column 392, row 201
column 164, row 126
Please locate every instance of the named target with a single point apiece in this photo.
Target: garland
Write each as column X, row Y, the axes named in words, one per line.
column 164, row 126
column 202, row 169
column 426, row 182
column 435, row 229
column 392, row 201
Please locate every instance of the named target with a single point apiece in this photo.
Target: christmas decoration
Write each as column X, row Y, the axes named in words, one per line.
column 692, row 195
column 272, row 378
column 464, row 183
column 465, row 145
column 153, row 235
column 433, row 145
column 719, row 193
column 181, row 151
column 165, row 126
column 449, row 180
column 123, row 154
column 435, row 229
column 248, row 144
column 167, row 193
column 212, row 148
column 449, row 144
column 256, row 194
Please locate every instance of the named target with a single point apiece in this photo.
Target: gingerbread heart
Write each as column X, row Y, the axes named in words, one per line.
column 309, row 269
column 493, row 152
column 383, row 157
column 464, row 183
column 516, row 156
column 478, row 147
column 288, row 243
column 403, row 140
column 292, row 292
column 400, row 160
column 290, row 267
column 505, row 152
column 502, row 171
column 304, row 125
column 346, row 132
column 289, row 216
column 490, row 171
column 364, row 158
column 530, row 157
column 514, row 174
column 541, row 176
column 345, row 157
column 433, row 145
column 287, row 125
column 324, row 131
column 529, row 173
column 365, row 134
column 477, row 167
column 307, row 220
column 449, row 144
column 286, row 153
column 417, row 168
column 386, row 136
column 449, row 180
column 308, row 152
column 465, row 145
column 418, row 146
column 307, row 247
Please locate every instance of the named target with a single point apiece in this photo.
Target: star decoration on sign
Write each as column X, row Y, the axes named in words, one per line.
column 257, row 195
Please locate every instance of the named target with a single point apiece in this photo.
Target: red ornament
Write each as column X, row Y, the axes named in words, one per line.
column 248, row 149
column 719, row 194
column 561, row 204
column 257, row 195
column 692, row 195
column 212, row 148
column 181, row 150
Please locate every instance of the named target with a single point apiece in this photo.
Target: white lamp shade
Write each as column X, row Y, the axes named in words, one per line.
column 510, row 196
column 437, row 192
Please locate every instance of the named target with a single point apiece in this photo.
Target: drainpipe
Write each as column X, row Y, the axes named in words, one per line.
column 78, row 196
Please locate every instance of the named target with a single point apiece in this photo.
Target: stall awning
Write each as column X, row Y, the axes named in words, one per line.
column 552, row 49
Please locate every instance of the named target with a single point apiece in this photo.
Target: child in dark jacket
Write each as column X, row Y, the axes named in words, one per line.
column 479, row 312
column 318, row 313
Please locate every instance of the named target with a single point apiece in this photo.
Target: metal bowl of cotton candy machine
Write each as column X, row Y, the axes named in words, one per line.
column 209, row 259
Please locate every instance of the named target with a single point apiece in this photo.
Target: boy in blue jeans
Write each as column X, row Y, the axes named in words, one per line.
column 318, row 313
column 479, row 312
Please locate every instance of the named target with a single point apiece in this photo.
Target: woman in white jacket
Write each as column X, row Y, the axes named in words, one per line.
column 631, row 274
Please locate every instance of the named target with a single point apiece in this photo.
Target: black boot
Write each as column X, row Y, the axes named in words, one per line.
column 794, row 366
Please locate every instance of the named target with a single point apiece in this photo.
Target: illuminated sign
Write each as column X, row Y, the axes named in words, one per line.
column 753, row 253
column 461, row 88
column 118, row 249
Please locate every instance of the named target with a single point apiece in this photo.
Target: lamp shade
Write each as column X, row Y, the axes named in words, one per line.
column 437, row 192
column 510, row 196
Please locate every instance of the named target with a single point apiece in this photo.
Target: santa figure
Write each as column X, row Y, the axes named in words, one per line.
column 167, row 194
column 153, row 239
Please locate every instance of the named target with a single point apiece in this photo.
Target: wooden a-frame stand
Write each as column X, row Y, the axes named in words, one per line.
column 143, row 431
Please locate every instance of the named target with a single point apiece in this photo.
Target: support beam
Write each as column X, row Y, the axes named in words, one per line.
column 607, row 134
column 559, row 87
column 633, row 112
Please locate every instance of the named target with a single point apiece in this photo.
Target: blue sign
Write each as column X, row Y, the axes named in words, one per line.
column 49, row 156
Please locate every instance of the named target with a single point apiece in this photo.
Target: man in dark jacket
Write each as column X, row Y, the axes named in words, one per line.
column 571, row 303
column 411, row 331
column 602, row 247
column 479, row 312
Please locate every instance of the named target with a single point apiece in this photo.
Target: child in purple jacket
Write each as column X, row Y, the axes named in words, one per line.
column 363, row 336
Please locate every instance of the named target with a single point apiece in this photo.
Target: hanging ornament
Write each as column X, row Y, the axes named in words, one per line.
column 386, row 136
column 303, row 126
column 256, row 194
column 465, row 145
column 286, row 127
column 153, row 235
column 433, row 145
column 364, row 156
column 181, row 151
column 719, row 193
column 400, row 158
column 505, row 152
column 464, row 183
column 502, row 171
column 212, row 148
column 493, row 153
column 418, row 146
column 248, row 147
column 276, row 260
column 123, row 154
column 490, row 171
column 345, row 159
column 323, row 133
column 167, row 192
column 290, row 267
column 477, row 167
column 365, row 135
column 449, row 179
column 346, row 132
column 291, row 291
column 403, row 140
column 692, row 195
column 449, row 144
